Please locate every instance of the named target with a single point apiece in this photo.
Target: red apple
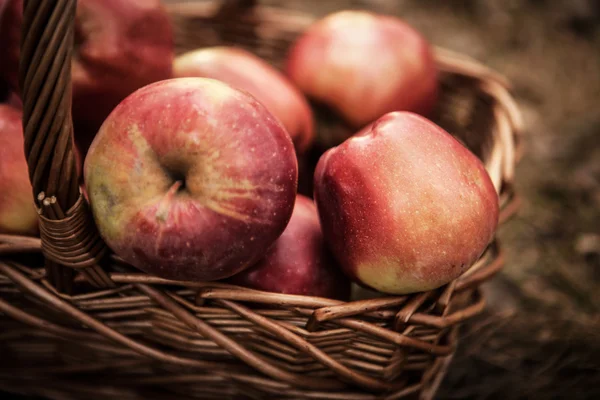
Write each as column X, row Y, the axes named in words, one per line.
column 2, row 5
column 4, row 88
column 243, row 70
column 299, row 262
column 364, row 65
column 120, row 46
column 404, row 206
column 17, row 210
column 191, row 179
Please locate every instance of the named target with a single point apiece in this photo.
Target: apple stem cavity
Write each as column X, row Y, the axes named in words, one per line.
column 162, row 213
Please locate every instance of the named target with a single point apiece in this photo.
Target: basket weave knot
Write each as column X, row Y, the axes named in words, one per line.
column 71, row 239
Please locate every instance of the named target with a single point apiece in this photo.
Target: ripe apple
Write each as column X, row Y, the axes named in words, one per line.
column 2, row 4
column 4, row 88
column 363, row 65
column 191, row 179
column 120, row 46
column 299, row 261
column 17, row 210
column 404, row 206
column 243, row 70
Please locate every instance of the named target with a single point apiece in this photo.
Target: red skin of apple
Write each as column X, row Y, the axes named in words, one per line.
column 17, row 210
column 243, row 70
column 299, row 261
column 2, row 5
column 404, row 206
column 4, row 88
column 120, row 46
column 190, row 179
column 364, row 65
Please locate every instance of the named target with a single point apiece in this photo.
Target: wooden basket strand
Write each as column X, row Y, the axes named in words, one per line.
column 69, row 237
column 230, row 297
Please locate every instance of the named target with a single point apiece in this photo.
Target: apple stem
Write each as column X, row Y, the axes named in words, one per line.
column 163, row 208
column 173, row 189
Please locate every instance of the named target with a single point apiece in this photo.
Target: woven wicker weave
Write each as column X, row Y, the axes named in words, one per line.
column 76, row 322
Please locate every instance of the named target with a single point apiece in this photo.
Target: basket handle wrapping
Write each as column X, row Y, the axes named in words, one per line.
column 69, row 237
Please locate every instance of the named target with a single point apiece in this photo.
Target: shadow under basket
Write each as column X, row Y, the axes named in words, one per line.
column 77, row 322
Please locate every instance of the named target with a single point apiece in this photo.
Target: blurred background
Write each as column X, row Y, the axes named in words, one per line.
column 541, row 335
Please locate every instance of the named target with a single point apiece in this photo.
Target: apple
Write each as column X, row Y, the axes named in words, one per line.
column 4, row 88
column 191, row 179
column 299, row 262
column 363, row 65
column 243, row 70
column 17, row 209
column 2, row 5
column 404, row 206
column 120, row 46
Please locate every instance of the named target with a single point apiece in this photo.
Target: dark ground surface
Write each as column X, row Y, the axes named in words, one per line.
column 541, row 336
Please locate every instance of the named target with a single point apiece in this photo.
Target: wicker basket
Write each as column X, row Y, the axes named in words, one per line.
column 77, row 322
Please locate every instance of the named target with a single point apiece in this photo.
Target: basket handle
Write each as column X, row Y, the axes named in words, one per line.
column 45, row 82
